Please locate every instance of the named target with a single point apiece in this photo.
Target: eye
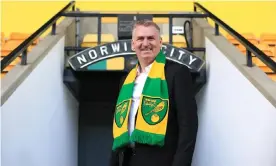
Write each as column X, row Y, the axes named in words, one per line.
column 150, row 38
column 140, row 38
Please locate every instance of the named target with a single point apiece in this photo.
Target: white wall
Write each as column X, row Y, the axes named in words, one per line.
column 237, row 124
column 39, row 120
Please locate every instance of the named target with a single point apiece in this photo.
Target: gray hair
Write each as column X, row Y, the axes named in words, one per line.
column 146, row 23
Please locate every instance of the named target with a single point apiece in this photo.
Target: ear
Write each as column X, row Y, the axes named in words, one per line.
column 132, row 45
column 161, row 41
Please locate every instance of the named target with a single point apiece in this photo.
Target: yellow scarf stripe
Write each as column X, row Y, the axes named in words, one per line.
column 155, row 72
column 130, row 78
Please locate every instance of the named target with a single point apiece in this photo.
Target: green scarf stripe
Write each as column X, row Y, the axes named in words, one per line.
column 124, row 93
column 160, row 58
column 152, row 88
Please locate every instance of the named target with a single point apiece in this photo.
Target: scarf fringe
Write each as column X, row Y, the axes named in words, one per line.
column 147, row 138
column 121, row 141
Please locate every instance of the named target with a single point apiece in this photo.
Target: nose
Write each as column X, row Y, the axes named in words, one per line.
column 145, row 42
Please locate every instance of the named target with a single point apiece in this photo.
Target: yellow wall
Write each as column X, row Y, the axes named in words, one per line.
column 24, row 16
column 256, row 17
column 29, row 16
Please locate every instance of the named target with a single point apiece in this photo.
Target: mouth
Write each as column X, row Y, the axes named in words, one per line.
column 147, row 50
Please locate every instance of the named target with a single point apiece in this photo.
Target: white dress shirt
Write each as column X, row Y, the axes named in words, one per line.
column 137, row 91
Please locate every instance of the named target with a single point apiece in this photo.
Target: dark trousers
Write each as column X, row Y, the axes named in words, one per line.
column 127, row 156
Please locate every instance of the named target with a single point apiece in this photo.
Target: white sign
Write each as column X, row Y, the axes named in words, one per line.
column 178, row 30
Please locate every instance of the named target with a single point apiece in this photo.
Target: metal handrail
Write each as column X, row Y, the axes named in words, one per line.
column 96, row 14
column 250, row 48
column 22, row 48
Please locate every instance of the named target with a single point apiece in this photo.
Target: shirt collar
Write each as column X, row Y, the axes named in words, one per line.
column 147, row 69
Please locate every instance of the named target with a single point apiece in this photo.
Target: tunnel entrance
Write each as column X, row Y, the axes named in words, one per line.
column 97, row 98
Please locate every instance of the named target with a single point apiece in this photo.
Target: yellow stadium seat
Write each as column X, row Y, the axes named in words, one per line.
column 10, row 45
column 91, row 40
column 265, row 69
column 274, row 51
column 1, row 46
column 177, row 40
column 16, row 61
column 268, row 38
column 158, row 20
column 3, row 74
column 272, row 76
column 251, row 38
column 12, row 64
column 2, row 38
column 267, row 50
column 18, row 36
column 8, row 68
column 232, row 40
column 242, row 49
column 21, row 37
column 259, row 63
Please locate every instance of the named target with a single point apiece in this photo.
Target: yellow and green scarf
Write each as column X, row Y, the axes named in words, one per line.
column 152, row 115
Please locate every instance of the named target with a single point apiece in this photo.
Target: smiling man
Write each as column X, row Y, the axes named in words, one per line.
column 146, row 43
column 155, row 119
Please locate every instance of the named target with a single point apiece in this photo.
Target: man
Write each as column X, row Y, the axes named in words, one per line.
column 155, row 119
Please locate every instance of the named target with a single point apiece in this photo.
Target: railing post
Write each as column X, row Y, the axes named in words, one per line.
column 54, row 29
column 73, row 8
column 170, row 29
column 77, row 26
column 99, row 29
column 194, row 8
column 24, row 57
column 216, row 29
column 248, row 58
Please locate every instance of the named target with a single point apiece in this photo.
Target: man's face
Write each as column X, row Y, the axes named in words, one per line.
column 146, row 42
